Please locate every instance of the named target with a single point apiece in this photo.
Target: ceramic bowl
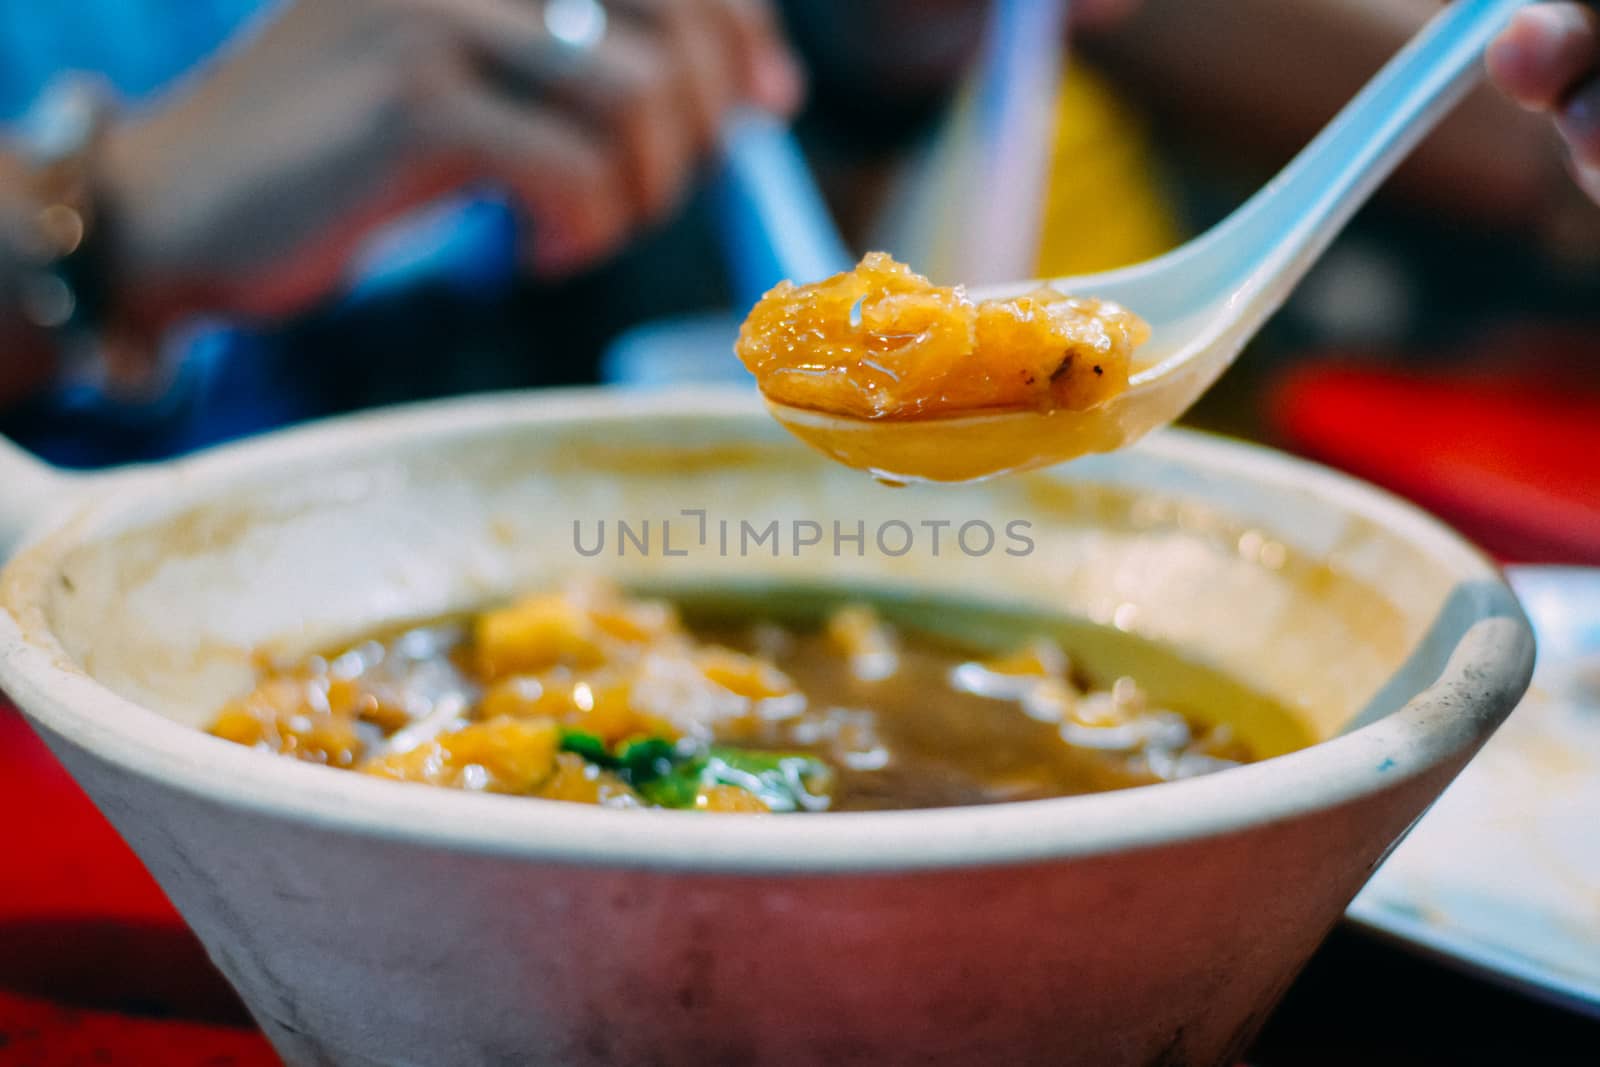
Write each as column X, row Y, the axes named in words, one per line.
column 373, row 922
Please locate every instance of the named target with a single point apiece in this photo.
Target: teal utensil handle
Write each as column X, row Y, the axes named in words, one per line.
column 771, row 216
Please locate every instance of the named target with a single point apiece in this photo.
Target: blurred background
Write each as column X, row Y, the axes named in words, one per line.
column 1448, row 346
column 1471, row 283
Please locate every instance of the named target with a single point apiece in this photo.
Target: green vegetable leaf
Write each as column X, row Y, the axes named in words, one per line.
column 671, row 775
column 675, row 790
column 588, row 746
column 649, row 758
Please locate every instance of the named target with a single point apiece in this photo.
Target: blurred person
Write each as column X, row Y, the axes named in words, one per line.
column 246, row 190
column 1258, row 78
column 1251, row 80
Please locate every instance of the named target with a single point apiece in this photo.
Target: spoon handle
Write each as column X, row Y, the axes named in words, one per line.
column 773, row 221
column 1262, row 249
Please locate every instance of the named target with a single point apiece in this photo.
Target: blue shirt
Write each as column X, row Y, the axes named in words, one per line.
column 140, row 45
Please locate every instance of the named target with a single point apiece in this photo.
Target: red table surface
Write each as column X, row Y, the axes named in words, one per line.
column 1510, row 456
column 95, row 965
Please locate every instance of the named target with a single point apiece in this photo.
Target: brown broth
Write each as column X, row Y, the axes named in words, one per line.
column 925, row 717
column 947, row 747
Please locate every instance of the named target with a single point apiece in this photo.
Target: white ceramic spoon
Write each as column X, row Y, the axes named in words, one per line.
column 1205, row 300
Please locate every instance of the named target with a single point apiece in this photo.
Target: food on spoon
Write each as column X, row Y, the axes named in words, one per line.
column 883, row 342
column 590, row 695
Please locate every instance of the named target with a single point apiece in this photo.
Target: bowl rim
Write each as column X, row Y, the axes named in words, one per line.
column 1484, row 677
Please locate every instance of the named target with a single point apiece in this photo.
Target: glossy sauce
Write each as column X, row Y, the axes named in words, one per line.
column 882, row 342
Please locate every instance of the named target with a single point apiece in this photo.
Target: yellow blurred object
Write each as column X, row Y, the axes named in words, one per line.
column 1104, row 207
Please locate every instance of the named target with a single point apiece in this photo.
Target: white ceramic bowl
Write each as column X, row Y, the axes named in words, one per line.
column 367, row 922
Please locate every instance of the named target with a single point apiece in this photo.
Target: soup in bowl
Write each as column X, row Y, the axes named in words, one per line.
column 887, row 833
column 762, row 700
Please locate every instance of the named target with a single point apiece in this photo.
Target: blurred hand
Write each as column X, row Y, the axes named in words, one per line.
column 1548, row 60
column 248, row 193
